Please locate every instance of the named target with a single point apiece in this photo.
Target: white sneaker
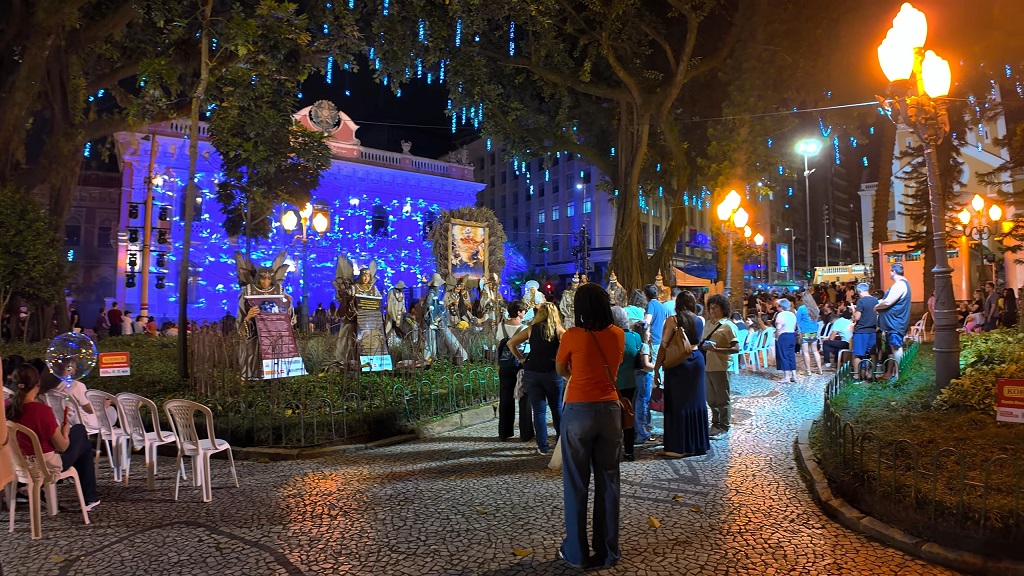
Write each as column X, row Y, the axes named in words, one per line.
column 89, row 507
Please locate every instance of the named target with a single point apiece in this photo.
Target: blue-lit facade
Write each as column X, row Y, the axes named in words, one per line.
column 380, row 207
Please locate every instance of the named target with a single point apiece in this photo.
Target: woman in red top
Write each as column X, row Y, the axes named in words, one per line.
column 63, row 446
column 591, row 428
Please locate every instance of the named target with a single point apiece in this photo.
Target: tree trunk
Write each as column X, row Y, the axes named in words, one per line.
column 190, row 190
column 881, row 207
column 629, row 251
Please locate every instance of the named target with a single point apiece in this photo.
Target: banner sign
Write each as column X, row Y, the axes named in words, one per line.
column 373, row 347
column 782, row 257
column 115, row 364
column 1010, row 400
column 278, row 350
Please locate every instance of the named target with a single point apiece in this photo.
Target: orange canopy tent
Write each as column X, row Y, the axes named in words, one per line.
column 684, row 280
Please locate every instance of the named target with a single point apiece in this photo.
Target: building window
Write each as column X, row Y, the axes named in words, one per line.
column 570, row 180
column 504, row 177
column 555, row 246
column 554, row 188
column 554, row 161
column 540, row 217
column 657, row 236
column 515, row 222
column 529, row 216
column 644, row 230
column 541, row 193
column 492, row 180
column 570, row 209
column 504, row 201
column 103, row 237
column 72, row 235
column 554, row 212
column 380, row 223
column 586, row 205
column 586, row 176
column 492, row 158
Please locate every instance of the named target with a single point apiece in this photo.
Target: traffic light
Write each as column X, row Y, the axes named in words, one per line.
column 808, row 273
column 129, row 280
column 548, row 286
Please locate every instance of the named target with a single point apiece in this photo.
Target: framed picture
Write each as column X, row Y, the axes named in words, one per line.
column 468, row 249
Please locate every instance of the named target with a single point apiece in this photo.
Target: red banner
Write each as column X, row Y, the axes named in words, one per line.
column 278, row 350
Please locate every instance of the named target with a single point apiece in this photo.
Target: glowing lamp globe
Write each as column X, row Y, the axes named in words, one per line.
column 995, row 213
column 320, row 222
column 978, row 203
column 808, row 147
column 937, row 76
column 747, row 232
column 740, row 218
column 289, row 220
column 964, row 216
column 732, row 200
column 911, row 25
column 306, row 211
column 723, row 211
column 758, row 239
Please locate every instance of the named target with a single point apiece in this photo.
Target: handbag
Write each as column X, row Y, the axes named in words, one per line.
column 678, row 348
column 628, row 414
column 657, row 403
column 520, row 389
column 556, row 455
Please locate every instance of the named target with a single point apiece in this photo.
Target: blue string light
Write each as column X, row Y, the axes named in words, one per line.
column 330, row 70
column 770, row 142
column 864, row 160
column 782, row 169
column 419, row 68
column 88, row 149
column 824, row 131
column 440, row 73
column 386, row 7
column 512, row 39
column 422, row 30
column 458, row 33
column 835, row 144
column 488, row 144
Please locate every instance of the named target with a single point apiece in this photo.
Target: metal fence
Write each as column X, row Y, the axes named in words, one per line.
column 373, row 406
column 932, row 493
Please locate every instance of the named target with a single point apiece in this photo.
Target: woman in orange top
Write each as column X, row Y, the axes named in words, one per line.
column 591, row 428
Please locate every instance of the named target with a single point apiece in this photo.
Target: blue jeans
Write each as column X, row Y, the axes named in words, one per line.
column 80, row 455
column 641, row 405
column 544, row 389
column 591, row 441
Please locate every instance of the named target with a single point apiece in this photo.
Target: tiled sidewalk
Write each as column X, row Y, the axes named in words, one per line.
column 465, row 504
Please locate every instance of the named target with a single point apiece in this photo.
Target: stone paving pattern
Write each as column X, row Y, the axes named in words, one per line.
column 465, row 504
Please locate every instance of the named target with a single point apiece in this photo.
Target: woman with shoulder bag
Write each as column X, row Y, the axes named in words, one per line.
column 591, row 439
column 542, row 383
column 625, row 379
column 686, row 412
column 507, row 375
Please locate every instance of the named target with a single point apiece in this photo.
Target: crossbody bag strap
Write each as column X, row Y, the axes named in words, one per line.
column 607, row 370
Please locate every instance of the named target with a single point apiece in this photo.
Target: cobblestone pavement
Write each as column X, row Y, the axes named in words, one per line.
column 464, row 504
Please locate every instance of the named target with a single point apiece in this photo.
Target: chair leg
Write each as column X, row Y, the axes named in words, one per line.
column 35, row 511
column 51, row 498
column 177, row 478
column 150, row 451
column 126, row 457
column 231, row 459
column 207, row 481
column 12, row 496
column 81, row 497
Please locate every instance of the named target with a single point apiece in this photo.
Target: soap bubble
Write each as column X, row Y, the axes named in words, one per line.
column 71, row 356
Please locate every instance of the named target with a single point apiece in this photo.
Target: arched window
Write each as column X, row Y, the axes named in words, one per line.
column 381, row 222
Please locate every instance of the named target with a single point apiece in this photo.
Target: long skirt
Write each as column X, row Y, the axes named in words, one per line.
column 785, row 351
column 686, row 409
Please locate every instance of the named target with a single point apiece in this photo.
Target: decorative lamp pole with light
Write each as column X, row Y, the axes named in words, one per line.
column 919, row 80
column 807, row 148
column 729, row 209
column 840, row 242
column 759, row 242
column 976, row 227
column 320, row 222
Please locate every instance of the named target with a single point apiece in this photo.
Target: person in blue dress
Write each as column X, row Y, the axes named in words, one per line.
column 686, row 411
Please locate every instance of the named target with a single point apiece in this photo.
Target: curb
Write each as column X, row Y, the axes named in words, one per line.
column 841, row 511
column 429, row 430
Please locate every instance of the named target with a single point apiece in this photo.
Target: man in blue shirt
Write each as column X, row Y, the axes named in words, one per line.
column 894, row 317
column 655, row 317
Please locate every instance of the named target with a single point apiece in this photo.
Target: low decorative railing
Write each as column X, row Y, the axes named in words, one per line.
column 927, row 492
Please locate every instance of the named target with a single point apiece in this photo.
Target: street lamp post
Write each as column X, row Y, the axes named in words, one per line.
column 759, row 241
column 919, row 80
column 808, row 148
column 729, row 209
column 320, row 223
column 975, row 228
column 840, row 242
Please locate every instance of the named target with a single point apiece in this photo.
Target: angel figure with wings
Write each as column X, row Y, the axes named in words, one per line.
column 256, row 282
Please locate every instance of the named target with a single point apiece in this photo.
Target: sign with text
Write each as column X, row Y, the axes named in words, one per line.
column 782, row 257
column 1010, row 399
column 278, row 350
column 114, row 364
column 373, row 347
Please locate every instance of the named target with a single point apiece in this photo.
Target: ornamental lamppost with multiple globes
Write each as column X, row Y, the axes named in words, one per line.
column 976, row 227
column 919, row 80
column 320, row 222
column 729, row 209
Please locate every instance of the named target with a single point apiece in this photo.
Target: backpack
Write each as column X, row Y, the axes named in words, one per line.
column 505, row 357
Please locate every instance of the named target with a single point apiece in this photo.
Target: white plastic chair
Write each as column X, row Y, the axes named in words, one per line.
column 129, row 407
column 113, row 437
column 37, row 475
column 917, row 331
column 181, row 414
column 765, row 347
column 734, row 359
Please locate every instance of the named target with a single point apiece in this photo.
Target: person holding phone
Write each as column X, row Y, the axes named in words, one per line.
column 63, row 446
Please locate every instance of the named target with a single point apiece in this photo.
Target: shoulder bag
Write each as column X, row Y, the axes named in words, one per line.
column 678, row 347
column 628, row 415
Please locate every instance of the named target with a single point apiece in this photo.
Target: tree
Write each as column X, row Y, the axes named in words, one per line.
column 33, row 262
column 601, row 80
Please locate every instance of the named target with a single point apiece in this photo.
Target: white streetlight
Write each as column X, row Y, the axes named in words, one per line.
column 807, row 148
